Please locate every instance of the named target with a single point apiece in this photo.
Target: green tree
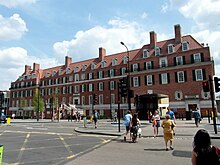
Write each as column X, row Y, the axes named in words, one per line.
column 38, row 104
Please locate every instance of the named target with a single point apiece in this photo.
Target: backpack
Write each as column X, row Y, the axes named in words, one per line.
column 208, row 156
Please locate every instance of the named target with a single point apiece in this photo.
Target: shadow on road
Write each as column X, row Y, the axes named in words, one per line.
column 178, row 153
column 154, row 149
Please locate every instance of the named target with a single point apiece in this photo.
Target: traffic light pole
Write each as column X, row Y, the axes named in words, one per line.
column 119, row 115
column 213, row 107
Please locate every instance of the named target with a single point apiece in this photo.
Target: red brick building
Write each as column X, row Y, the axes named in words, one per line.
column 174, row 67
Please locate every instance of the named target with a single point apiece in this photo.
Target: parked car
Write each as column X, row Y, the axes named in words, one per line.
column 3, row 118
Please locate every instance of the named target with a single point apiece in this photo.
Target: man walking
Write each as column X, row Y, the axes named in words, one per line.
column 127, row 123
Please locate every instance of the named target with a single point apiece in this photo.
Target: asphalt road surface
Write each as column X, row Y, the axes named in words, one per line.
column 46, row 143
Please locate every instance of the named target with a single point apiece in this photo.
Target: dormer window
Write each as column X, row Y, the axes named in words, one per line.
column 103, row 64
column 157, row 51
column 68, row 70
column 125, row 59
column 76, row 69
column 114, row 62
column 185, row 46
column 54, row 72
column 20, row 78
column 60, row 71
column 92, row 66
column 170, row 48
column 47, row 74
column 33, row 75
column 84, row 67
column 145, row 53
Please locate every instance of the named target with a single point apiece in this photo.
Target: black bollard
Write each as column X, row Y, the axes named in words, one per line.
column 208, row 116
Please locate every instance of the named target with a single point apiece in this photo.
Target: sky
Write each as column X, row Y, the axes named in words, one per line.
column 45, row 31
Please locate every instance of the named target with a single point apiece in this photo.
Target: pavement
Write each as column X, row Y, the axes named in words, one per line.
column 147, row 150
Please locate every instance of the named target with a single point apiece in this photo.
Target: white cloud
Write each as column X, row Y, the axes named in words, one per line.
column 206, row 16
column 12, row 28
column 16, row 3
column 86, row 43
column 13, row 61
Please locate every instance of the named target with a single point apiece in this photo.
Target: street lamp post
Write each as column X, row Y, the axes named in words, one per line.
column 128, row 78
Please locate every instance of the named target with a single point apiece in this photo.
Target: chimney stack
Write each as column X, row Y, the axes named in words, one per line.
column 102, row 53
column 153, row 39
column 178, row 35
column 68, row 61
column 36, row 67
column 27, row 68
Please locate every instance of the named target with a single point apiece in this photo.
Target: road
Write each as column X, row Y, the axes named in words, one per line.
column 46, row 143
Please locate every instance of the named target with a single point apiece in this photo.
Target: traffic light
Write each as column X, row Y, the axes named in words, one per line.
column 123, row 85
column 217, row 84
column 95, row 99
column 205, row 86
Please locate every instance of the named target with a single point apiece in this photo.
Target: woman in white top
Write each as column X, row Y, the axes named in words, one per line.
column 156, row 122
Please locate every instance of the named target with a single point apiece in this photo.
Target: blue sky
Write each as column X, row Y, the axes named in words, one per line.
column 45, row 31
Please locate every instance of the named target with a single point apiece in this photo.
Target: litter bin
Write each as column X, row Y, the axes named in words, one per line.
column 1, row 153
column 188, row 115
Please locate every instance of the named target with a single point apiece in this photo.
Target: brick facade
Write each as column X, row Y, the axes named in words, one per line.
column 175, row 67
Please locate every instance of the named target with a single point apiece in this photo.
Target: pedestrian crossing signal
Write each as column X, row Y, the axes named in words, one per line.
column 217, row 84
column 205, row 86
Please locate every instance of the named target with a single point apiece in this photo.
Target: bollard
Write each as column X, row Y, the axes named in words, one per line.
column 8, row 121
column 182, row 116
column 1, row 153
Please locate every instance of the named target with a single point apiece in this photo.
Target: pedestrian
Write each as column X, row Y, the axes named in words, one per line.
column 203, row 151
column 156, row 123
column 135, row 124
column 84, row 120
column 172, row 117
column 127, row 123
column 168, row 126
column 13, row 115
column 95, row 118
column 197, row 116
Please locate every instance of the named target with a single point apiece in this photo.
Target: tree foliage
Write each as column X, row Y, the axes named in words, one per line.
column 38, row 102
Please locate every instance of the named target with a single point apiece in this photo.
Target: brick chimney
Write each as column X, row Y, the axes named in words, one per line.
column 68, row 61
column 102, row 53
column 178, row 35
column 153, row 39
column 27, row 68
column 36, row 67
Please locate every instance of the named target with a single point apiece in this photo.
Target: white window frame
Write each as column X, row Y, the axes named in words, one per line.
column 83, row 76
column 164, row 78
column 83, row 86
column 76, row 77
column 125, row 59
column 170, row 48
column 179, row 60
column 111, row 72
column 103, row 64
column 64, row 90
column 83, row 100
column 112, row 99
column 100, row 74
column 76, row 69
column 90, row 87
column 157, row 51
column 149, row 80
column 60, row 71
column 76, row 89
column 114, row 62
column 68, row 70
column 112, row 85
column 135, row 81
column 101, row 86
column 148, row 65
column 163, row 62
column 199, row 74
column 185, row 46
column 123, row 71
column 197, row 57
column 180, row 77
column 90, row 99
column 180, row 94
column 93, row 66
column 145, row 53
column 84, row 66
column 101, row 99
column 135, row 67
column 90, row 76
